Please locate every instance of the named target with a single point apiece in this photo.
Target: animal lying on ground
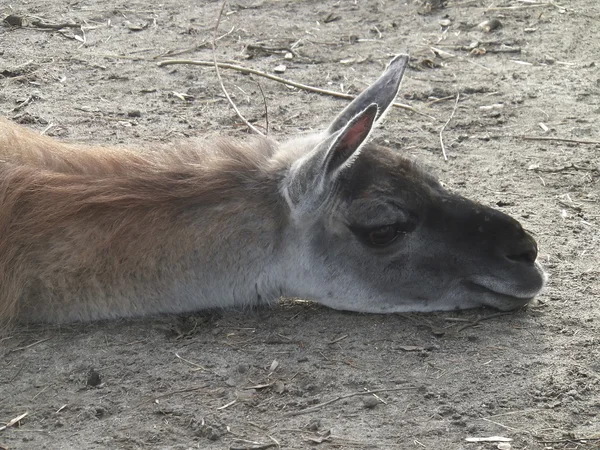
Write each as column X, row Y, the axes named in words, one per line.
column 91, row 232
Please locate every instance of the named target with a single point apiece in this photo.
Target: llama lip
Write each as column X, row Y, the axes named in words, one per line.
column 514, row 296
column 523, row 289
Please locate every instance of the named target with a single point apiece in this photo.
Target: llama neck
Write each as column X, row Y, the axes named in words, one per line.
column 196, row 229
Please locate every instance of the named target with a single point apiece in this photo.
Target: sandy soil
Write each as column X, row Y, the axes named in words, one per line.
column 240, row 379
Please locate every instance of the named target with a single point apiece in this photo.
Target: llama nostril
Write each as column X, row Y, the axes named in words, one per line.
column 525, row 253
column 525, row 257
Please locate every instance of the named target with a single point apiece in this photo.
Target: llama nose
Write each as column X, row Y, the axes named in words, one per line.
column 525, row 251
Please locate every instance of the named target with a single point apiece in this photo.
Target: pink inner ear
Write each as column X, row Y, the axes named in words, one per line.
column 351, row 139
column 357, row 133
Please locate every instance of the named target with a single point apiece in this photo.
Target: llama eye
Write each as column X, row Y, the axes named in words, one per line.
column 382, row 236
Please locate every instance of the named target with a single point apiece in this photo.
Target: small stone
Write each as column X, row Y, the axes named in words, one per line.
column 93, row 378
column 288, row 55
column 246, row 395
column 136, row 26
column 314, row 425
column 489, row 25
column 370, row 402
column 220, row 392
column 274, row 366
column 233, row 381
column 279, row 387
column 280, row 68
column 14, row 21
column 209, row 432
column 504, row 446
column 134, row 113
column 490, row 107
column 445, row 22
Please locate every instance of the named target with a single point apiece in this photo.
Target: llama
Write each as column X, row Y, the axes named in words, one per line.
column 89, row 232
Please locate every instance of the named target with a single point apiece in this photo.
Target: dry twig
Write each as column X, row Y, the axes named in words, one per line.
column 255, row 447
column 481, row 319
column 466, row 2
column 275, row 441
column 16, row 374
column 24, row 103
column 168, row 394
column 304, row 87
column 342, row 397
column 446, row 124
column 266, row 108
column 547, row 138
column 580, row 440
column 216, row 65
column 54, row 26
column 29, row 346
column 341, row 338
column 191, row 363
column 14, row 421
column 227, row 405
column 515, row 7
column 569, row 166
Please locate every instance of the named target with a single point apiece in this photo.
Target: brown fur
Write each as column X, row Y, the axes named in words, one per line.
column 107, row 214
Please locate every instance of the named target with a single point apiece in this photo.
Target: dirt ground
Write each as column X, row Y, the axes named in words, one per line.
column 243, row 379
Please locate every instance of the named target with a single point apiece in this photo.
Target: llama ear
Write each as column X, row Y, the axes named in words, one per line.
column 312, row 178
column 346, row 145
column 382, row 93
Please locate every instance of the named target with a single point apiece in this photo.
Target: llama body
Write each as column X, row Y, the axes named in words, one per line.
column 90, row 233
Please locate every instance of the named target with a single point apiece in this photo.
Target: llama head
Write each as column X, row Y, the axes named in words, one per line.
column 369, row 231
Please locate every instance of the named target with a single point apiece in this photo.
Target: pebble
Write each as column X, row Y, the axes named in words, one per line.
column 314, row 425
column 279, row 387
column 209, row 432
column 93, row 378
column 246, row 395
column 15, row 21
column 370, row 402
column 233, row 381
column 490, row 25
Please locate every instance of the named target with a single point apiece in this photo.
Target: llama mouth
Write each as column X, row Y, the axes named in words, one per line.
column 508, row 300
column 521, row 290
